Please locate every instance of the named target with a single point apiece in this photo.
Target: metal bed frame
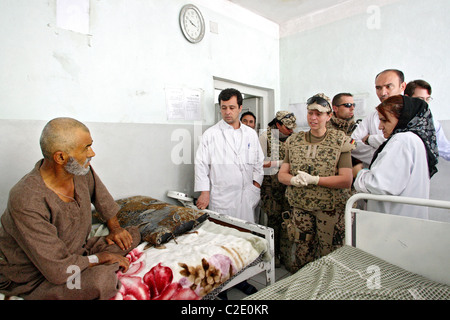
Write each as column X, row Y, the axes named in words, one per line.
column 417, row 245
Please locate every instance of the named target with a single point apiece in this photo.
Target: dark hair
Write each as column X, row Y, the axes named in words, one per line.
column 399, row 73
column 274, row 122
column 413, row 115
column 393, row 105
column 337, row 98
column 248, row 113
column 227, row 94
column 412, row 85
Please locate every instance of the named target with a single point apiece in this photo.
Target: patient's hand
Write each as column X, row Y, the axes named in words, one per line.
column 203, row 200
column 110, row 258
column 121, row 237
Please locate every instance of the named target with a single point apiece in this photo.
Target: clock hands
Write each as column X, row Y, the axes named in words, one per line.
column 192, row 23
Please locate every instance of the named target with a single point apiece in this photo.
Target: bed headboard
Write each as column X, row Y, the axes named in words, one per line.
column 417, row 245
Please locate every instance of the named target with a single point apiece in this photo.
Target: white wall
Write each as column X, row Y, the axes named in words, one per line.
column 135, row 50
column 346, row 55
column 114, row 80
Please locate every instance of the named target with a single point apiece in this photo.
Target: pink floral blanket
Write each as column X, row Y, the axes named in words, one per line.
column 190, row 266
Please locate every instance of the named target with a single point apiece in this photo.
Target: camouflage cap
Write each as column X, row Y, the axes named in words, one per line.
column 319, row 102
column 287, row 118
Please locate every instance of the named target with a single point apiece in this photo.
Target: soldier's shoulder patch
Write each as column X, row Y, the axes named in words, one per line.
column 348, row 145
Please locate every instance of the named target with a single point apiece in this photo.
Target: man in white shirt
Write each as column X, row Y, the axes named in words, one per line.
column 368, row 137
column 229, row 163
column 422, row 90
column 229, row 167
column 249, row 119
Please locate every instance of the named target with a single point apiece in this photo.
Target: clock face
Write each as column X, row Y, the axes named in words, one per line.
column 192, row 23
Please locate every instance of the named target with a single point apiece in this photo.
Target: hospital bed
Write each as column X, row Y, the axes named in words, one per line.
column 214, row 255
column 266, row 266
column 385, row 257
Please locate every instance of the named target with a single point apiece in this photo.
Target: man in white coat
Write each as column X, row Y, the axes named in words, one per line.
column 422, row 90
column 229, row 163
column 368, row 137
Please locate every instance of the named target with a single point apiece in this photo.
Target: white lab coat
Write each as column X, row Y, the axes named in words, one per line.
column 442, row 142
column 227, row 170
column 368, row 126
column 401, row 169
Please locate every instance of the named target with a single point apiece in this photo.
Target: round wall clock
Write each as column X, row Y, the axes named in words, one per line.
column 192, row 23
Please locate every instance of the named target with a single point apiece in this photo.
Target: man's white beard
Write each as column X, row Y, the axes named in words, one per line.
column 73, row 167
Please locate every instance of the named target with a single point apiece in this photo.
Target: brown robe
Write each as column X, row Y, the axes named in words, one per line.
column 43, row 237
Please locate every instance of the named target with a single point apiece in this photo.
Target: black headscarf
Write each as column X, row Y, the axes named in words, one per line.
column 416, row 117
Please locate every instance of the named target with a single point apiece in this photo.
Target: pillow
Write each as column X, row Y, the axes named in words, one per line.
column 158, row 221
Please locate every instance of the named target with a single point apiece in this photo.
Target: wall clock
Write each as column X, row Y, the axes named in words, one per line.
column 192, row 23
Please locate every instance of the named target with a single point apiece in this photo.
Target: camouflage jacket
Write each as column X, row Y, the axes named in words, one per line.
column 346, row 126
column 317, row 159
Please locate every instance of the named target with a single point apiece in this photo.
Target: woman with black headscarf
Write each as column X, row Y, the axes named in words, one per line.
column 405, row 162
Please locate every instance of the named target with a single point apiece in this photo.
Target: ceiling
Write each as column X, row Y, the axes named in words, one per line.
column 282, row 11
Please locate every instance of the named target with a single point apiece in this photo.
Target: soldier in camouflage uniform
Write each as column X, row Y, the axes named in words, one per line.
column 273, row 197
column 343, row 116
column 343, row 119
column 317, row 165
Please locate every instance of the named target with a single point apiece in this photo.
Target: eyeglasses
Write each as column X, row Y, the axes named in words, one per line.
column 347, row 105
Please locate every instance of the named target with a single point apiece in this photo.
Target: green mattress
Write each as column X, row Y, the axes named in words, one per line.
column 352, row 274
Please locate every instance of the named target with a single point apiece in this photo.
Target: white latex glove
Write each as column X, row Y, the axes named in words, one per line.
column 307, row 178
column 297, row 182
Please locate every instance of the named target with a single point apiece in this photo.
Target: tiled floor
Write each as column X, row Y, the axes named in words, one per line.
column 259, row 281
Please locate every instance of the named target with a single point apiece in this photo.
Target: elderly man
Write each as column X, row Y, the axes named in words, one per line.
column 45, row 252
column 368, row 137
